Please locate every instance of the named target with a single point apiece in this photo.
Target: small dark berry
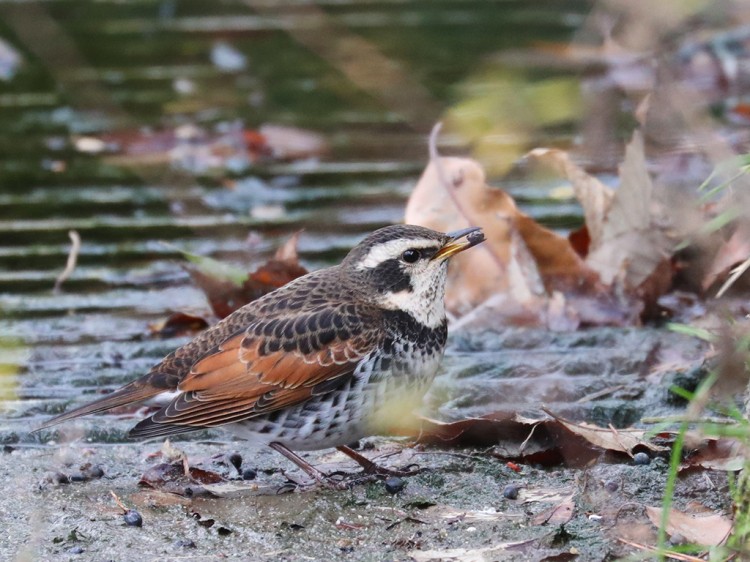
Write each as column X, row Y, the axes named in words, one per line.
column 236, row 460
column 394, row 484
column 77, row 477
column 611, row 485
column 249, row 474
column 133, row 518
column 510, row 492
column 641, row 458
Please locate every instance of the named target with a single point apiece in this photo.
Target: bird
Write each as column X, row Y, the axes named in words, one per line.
column 323, row 361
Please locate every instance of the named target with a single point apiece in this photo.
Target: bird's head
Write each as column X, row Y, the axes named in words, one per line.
column 404, row 267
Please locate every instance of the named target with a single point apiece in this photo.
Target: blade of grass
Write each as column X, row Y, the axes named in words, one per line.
column 674, row 464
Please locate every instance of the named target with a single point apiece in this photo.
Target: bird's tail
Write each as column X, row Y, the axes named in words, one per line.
column 132, row 393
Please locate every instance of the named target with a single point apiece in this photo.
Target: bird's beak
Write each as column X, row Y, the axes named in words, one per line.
column 459, row 241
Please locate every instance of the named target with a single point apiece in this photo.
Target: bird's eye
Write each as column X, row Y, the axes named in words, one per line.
column 411, row 256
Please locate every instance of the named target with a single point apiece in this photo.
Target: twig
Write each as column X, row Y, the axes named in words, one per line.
column 118, row 502
column 72, row 260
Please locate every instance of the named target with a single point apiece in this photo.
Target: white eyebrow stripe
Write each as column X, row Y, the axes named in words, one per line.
column 391, row 249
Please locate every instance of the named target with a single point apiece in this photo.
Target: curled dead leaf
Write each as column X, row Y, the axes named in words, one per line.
column 611, row 439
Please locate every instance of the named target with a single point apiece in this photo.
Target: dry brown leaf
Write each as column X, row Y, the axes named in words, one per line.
column 634, row 241
column 717, row 454
column 611, row 439
column 733, row 251
column 512, row 437
column 594, row 196
column 452, row 194
column 557, row 515
column 521, row 259
column 700, row 528
column 547, row 495
column 628, row 239
column 226, row 295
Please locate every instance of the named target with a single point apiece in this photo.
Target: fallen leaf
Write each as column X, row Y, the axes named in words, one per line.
column 717, row 454
column 703, row 529
column 627, row 228
column 611, row 439
column 557, row 515
column 594, row 196
column 512, row 437
column 521, row 260
column 228, row 288
column 171, row 477
column 452, row 194
column 547, row 495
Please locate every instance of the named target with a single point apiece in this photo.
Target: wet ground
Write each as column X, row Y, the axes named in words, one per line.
column 457, row 507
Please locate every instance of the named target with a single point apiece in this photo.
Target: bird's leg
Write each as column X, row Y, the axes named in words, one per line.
column 310, row 470
column 371, row 467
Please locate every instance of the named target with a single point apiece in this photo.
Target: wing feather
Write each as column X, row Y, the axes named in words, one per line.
column 241, row 379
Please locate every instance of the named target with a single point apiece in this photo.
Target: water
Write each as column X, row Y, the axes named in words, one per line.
column 92, row 68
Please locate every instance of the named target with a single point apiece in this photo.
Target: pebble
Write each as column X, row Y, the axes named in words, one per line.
column 394, row 484
column 184, row 543
column 133, row 518
column 76, row 550
column 641, row 459
column 249, row 474
column 510, row 492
